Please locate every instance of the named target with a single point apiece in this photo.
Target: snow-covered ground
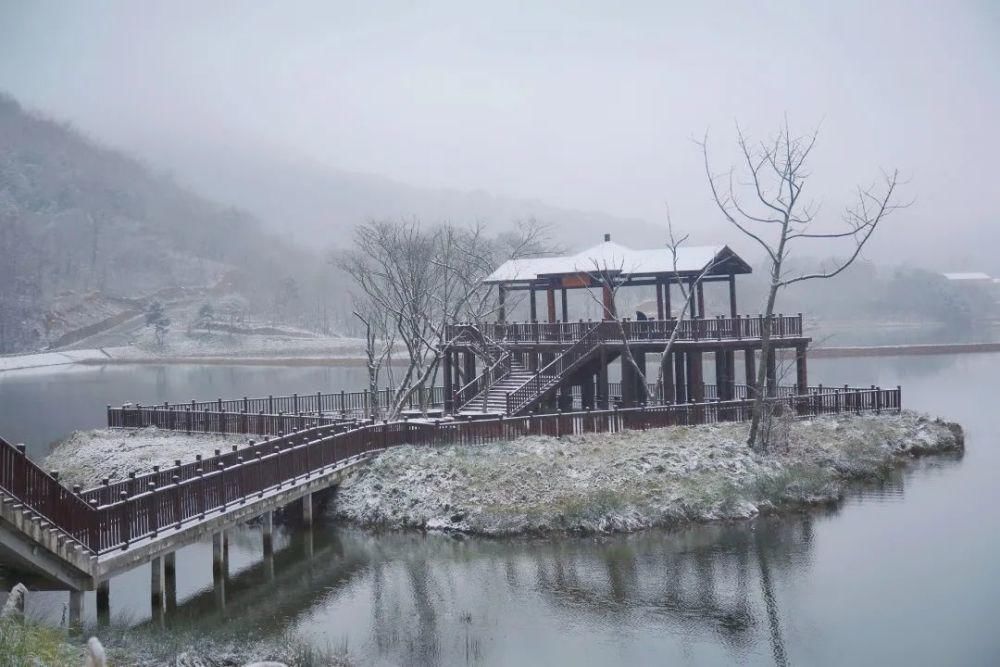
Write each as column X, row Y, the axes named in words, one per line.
column 630, row 481
column 48, row 359
column 86, row 457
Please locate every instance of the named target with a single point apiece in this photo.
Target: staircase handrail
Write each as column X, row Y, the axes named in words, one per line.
column 555, row 369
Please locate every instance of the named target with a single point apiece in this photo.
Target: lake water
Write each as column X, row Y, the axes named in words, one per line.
column 905, row 573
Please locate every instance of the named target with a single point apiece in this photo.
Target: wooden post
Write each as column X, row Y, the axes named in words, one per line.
column 501, row 303
column 603, row 396
column 680, row 377
column 801, row 372
column 666, row 300
column 696, row 377
column 565, row 306
column 532, row 305
column 628, row 384
column 772, row 373
column 608, row 300
column 701, row 298
column 667, row 362
column 732, row 295
column 720, row 375
column 750, row 366
column 730, row 374
column 659, row 299
column 449, row 392
column 550, row 302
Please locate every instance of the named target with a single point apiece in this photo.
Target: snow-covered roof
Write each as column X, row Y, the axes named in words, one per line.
column 614, row 257
column 974, row 275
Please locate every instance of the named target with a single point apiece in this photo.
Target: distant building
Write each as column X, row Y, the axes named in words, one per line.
column 971, row 279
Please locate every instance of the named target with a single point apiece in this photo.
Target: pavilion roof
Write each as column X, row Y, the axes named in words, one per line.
column 614, row 257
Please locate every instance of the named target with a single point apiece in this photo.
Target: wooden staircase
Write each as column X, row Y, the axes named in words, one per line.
column 496, row 393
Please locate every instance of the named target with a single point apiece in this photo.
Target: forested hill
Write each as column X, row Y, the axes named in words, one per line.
column 87, row 232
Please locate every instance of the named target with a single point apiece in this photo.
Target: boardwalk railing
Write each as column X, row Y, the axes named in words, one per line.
column 114, row 515
column 717, row 328
column 553, row 372
column 344, row 402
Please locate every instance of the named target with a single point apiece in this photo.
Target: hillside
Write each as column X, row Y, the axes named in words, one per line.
column 90, row 236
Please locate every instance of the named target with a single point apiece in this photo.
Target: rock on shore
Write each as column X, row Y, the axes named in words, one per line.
column 631, row 480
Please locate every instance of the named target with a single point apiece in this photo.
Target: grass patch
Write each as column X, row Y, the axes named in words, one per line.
column 24, row 642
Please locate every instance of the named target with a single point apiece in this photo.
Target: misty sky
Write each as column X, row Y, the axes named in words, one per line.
column 583, row 105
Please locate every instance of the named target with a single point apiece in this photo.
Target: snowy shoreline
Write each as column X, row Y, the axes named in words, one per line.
column 588, row 484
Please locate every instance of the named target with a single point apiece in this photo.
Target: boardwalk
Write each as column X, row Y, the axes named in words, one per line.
column 82, row 538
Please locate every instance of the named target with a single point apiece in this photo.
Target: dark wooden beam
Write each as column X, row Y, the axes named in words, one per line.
column 732, row 295
column 550, row 302
column 565, row 306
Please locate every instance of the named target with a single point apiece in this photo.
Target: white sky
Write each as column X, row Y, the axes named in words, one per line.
column 588, row 105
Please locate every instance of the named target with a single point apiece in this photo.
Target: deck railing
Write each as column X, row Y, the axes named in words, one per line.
column 553, row 372
column 114, row 515
column 717, row 328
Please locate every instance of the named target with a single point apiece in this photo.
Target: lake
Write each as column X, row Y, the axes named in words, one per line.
column 905, row 572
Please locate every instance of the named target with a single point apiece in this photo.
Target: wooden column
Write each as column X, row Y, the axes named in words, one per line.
column 532, row 305
column 732, row 295
column 550, row 302
column 628, row 383
column 666, row 300
column 501, row 303
column 750, row 366
column 772, row 374
column 470, row 367
column 659, row 299
column 696, row 377
column 449, row 391
column 565, row 306
column 701, row 298
column 640, row 390
column 608, row 299
column 587, row 391
column 801, row 372
column 603, row 399
column 720, row 375
column 730, row 374
column 667, row 362
column 680, row 377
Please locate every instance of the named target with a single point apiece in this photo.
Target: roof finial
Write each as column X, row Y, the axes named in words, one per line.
column 607, row 237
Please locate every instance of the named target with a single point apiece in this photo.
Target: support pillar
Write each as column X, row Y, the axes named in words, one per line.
column 550, row 302
column 449, row 391
column 750, row 366
column 696, row 377
column 532, row 305
column 501, row 303
column 608, row 300
column 640, row 390
column 565, row 306
column 666, row 300
column 170, row 581
column 587, row 391
column 104, row 603
column 75, row 615
column 667, row 391
column 470, row 367
column 701, row 299
column 772, row 373
column 307, row 510
column 267, row 534
column 680, row 377
column 218, row 571
column 720, row 375
column 156, row 589
column 732, row 295
column 659, row 300
column 730, row 374
column 801, row 372
column 603, row 397
column 628, row 383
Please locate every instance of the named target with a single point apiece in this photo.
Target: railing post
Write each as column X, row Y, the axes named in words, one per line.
column 124, row 525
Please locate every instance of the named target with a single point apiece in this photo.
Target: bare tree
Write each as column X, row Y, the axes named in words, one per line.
column 422, row 279
column 767, row 206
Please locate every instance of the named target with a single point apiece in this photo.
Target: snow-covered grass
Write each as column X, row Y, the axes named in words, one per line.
column 86, row 457
column 632, row 480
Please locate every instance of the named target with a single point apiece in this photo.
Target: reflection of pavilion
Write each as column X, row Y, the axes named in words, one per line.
column 543, row 363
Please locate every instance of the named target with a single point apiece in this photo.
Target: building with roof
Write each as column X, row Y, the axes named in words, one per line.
column 554, row 361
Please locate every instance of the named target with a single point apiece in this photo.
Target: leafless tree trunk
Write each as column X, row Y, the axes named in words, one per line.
column 766, row 205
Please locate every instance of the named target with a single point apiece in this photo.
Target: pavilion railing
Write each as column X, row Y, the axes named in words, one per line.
column 114, row 515
column 717, row 328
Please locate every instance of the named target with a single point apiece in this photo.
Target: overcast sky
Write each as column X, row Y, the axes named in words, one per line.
column 583, row 105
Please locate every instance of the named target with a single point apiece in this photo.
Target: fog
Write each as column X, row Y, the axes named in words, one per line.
column 582, row 106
